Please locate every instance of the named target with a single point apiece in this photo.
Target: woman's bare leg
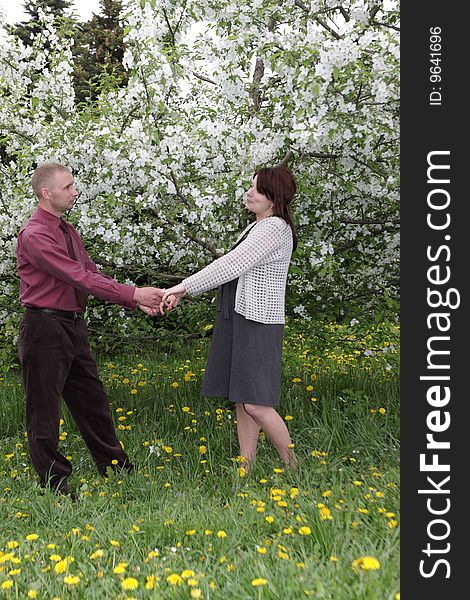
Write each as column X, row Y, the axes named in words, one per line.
column 248, row 432
column 274, row 427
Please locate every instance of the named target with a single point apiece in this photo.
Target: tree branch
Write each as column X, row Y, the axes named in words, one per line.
column 369, row 221
column 382, row 24
column 301, row 5
column 321, row 22
column 345, row 14
column 172, row 34
column 127, row 118
column 204, row 78
column 373, row 169
column 321, row 155
column 284, row 162
column 192, row 236
column 373, row 11
column 257, row 76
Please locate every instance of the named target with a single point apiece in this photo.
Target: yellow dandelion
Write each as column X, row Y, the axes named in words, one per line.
column 202, row 449
column 174, row 579
column 382, row 411
column 32, row 594
column 195, row 593
column 366, row 563
column 259, row 581
column 115, row 543
column 187, row 573
column 269, row 519
column 14, row 572
column 72, row 579
column 208, row 532
column 150, row 582
column 32, row 537
column 129, row 584
column 294, row 492
column 325, row 513
column 61, row 566
column 261, row 549
column 12, row 544
column 287, row 530
column 121, row 568
column 221, row 534
column 7, row 584
column 288, row 418
column 55, row 557
column 96, row 554
column 305, row 530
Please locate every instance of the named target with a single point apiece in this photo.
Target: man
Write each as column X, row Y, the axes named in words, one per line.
column 56, row 275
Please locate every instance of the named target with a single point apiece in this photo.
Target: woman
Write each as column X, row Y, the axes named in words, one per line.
column 244, row 362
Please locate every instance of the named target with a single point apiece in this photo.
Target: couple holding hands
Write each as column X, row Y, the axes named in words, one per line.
column 244, row 362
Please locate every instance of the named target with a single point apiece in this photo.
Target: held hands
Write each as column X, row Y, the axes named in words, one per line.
column 154, row 300
column 149, row 297
column 172, row 296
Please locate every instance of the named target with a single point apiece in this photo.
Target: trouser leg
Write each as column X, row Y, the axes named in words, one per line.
column 89, row 406
column 45, row 357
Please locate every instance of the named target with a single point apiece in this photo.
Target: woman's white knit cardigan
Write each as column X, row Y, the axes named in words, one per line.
column 261, row 262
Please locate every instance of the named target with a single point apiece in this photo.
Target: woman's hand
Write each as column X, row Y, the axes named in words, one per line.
column 172, row 296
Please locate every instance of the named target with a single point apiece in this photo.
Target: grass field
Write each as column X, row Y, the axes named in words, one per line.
column 186, row 524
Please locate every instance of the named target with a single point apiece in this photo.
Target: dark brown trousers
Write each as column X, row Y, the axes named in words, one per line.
column 56, row 361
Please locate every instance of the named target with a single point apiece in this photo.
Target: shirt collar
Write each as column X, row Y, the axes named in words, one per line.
column 47, row 218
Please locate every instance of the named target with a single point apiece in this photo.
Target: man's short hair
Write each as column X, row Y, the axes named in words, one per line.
column 43, row 174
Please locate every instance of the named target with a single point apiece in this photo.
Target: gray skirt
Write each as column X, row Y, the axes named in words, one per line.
column 244, row 363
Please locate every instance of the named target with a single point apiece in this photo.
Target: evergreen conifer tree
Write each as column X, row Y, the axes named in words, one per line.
column 99, row 48
column 27, row 30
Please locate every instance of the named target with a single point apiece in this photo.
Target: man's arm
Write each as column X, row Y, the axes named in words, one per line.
column 45, row 253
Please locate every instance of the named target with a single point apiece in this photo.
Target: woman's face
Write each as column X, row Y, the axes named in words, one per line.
column 256, row 202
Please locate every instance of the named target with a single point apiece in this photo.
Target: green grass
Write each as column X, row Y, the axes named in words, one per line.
column 164, row 519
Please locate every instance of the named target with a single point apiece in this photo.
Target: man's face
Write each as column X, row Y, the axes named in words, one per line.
column 60, row 193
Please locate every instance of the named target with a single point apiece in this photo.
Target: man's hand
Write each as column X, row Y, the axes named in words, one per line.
column 149, row 296
column 150, row 311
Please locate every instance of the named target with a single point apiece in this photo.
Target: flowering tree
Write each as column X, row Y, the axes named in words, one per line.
column 217, row 89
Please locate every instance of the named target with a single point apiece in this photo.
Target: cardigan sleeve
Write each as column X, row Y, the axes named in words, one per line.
column 263, row 239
